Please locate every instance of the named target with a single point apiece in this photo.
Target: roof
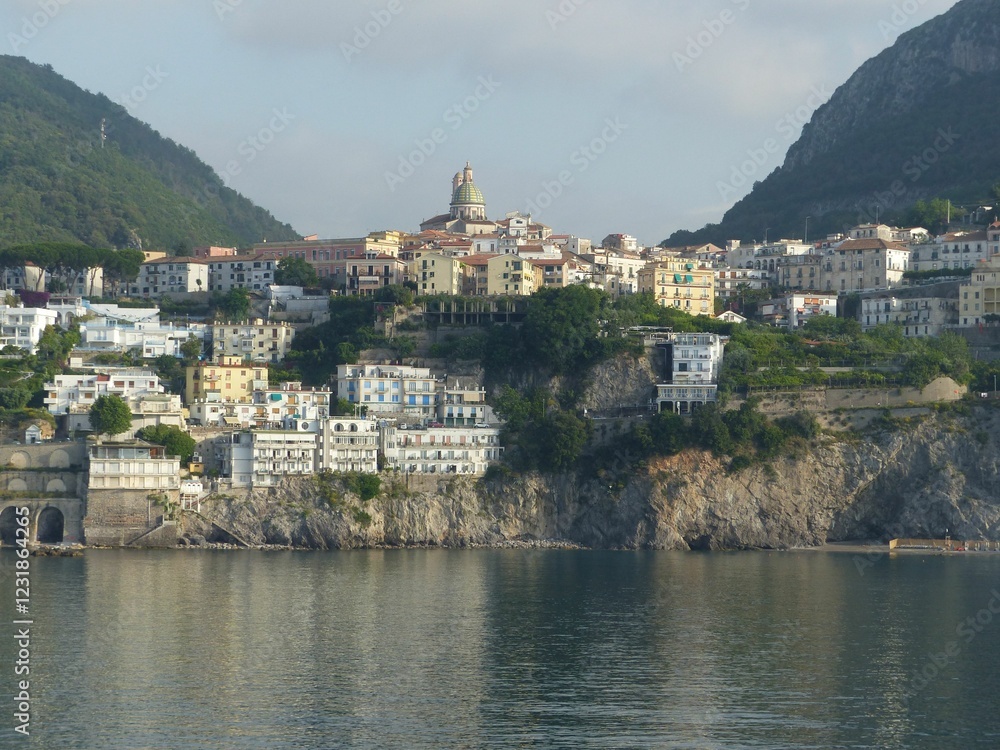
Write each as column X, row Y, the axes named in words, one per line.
column 467, row 193
column 179, row 259
column 871, row 244
column 477, row 260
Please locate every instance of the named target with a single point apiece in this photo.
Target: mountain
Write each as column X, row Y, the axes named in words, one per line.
column 58, row 183
column 917, row 121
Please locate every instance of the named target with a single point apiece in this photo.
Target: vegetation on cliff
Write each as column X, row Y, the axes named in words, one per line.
column 60, row 183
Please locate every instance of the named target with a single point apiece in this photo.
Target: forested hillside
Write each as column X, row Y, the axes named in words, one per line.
column 58, row 184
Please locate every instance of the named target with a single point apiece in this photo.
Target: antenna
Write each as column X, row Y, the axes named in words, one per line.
column 104, row 134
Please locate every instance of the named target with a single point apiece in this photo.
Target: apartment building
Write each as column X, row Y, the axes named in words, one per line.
column 681, row 285
column 979, row 297
column 460, row 451
column 228, row 379
column 862, row 265
column 691, row 366
column 920, row 311
column 437, row 273
column 254, row 340
column 251, row 272
column 67, row 393
column 389, row 389
column 171, row 276
column 22, row 327
column 133, row 465
column 263, row 458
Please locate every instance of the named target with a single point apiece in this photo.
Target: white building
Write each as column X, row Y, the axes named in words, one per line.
column 151, row 337
column 387, row 389
column 441, row 450
column 252, row 272
column 171, row 276
column 262, row 458
column 920, row 311
column 134, row 465
column 23, row 326
column 255, row 340
column 463, row 405
column 730, row 281
column 69, row 393
column 692, row 362
column 793, row 310
column 864, row 265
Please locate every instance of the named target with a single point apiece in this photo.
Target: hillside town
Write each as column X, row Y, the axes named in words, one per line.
column 398, row 414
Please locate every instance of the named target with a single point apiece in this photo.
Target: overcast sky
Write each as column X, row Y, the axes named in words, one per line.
column 345, row 117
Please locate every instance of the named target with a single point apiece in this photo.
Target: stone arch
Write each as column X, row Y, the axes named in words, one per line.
column 51, row 526
column 20, row 460
column 55, row 485
column 59, row 459
column 17, row 485
column 8, row 525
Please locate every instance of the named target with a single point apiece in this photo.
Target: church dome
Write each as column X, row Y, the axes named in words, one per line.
column 467, row 193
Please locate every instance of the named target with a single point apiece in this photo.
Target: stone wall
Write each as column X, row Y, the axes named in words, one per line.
column 50, row 455
column 118, row 517
column 823, row 400
column 44, row 483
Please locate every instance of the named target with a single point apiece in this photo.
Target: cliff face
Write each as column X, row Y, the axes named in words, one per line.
column 913, row 123
column 920, row 68
column 919, row 481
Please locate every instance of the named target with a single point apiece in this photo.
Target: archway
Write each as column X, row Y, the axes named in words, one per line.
column 50, row 526
column 55, row 485
column 17, row 485
column 59, row 459
column 20, row 460
column 8, row 525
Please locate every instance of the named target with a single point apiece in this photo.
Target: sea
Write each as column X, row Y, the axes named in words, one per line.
column 520, row 648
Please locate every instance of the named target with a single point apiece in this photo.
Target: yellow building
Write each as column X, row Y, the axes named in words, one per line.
column 231, row 379
column 980, row 295
column 511, row 276
column 435, row 273
column 680, row 284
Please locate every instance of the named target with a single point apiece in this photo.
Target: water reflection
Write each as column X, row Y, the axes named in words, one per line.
column 507, row 649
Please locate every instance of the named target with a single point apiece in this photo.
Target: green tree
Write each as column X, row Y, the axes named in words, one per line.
column 561, row 327
column 176, row 441
column 191, row 351
column 235, row 305
column 110, row 415
column 295, row 272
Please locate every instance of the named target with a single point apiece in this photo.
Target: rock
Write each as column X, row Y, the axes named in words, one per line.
column 926, row 477
column 197, row 540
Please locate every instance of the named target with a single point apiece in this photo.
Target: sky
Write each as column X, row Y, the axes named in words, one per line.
column 347, row 117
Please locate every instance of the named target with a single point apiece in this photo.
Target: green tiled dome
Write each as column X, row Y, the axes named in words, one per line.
column 468, row 193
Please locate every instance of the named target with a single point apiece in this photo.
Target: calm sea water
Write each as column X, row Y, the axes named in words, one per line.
column 507, row 649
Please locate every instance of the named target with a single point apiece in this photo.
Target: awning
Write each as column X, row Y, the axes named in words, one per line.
column 231, row 421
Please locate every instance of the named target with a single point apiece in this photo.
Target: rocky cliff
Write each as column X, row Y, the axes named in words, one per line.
column 913, row 123
column 916, row 480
